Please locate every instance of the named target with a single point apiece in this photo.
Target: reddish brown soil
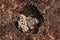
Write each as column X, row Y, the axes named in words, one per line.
column 10, row 11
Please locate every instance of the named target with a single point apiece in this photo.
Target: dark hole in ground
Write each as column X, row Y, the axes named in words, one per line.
column 16, row 24
column 35, row 12
column 33, row 9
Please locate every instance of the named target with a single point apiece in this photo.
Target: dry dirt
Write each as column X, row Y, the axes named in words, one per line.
column 49, row 28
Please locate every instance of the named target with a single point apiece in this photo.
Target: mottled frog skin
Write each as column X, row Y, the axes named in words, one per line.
column 26, row 23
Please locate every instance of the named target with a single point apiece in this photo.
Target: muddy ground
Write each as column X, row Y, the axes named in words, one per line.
column 49, row 28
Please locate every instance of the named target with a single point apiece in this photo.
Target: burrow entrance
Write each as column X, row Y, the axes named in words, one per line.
column 31, row 10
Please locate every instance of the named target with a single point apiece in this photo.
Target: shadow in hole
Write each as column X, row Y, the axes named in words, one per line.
column 33, row 9
column 36, row 29
column 16, row 24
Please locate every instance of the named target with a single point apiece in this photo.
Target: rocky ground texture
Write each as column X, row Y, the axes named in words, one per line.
column 10, row 11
